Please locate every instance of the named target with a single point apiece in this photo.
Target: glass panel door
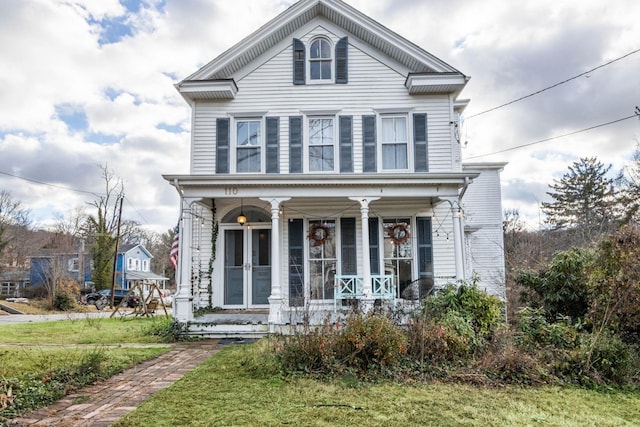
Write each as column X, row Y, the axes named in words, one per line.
column 234, row 267
column 260, row 266
column 247, row 267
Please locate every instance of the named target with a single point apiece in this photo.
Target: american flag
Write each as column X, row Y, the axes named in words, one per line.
column 173, row 254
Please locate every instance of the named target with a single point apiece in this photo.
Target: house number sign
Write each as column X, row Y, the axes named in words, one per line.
column 230, row 191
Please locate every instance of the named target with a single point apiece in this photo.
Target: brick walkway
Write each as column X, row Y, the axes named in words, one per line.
column 105, row 402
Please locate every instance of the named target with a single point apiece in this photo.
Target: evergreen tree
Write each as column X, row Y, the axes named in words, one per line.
column 630, row 194
column 584, row 198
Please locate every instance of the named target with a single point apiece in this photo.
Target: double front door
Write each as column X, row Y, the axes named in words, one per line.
column 247, row 267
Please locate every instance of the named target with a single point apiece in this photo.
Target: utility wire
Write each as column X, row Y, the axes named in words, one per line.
column 51, row 185
column 62, row 187
column 553, row 86
column 554, row 137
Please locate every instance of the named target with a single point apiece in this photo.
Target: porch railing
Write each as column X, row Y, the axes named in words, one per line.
column 349, row 286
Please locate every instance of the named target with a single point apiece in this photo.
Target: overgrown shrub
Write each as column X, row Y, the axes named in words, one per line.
column 370, row 342
column 308, row 352
column 483, row 311
column 561, row 289
column 454, row 324
column 167, row 328
column 446, row 338
column 364, row 343
column 535, row 331
column 63, row 301
column 506, row 362
column 611, row 361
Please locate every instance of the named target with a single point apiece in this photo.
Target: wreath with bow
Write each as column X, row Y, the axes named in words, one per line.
column 398, row 233
column 318, row 234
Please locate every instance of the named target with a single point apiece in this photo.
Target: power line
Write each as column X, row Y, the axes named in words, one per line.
column 77, row 190
column 554, row 137
column 137, row 211
column 50, row 185
column 553, row 86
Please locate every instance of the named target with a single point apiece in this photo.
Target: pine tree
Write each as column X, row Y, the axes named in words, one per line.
column 584, row 198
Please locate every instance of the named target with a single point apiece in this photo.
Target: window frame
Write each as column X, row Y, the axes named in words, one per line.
column 330, row 60
column 234, row 146
column 307, row 142
column 381, row 143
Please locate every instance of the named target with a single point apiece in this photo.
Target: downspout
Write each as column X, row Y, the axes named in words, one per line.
column 460, row 224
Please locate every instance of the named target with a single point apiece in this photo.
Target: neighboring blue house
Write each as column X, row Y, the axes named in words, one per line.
column 134, row 265
column 51, row 264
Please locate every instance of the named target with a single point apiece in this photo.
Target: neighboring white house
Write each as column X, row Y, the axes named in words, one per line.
column 326, row 167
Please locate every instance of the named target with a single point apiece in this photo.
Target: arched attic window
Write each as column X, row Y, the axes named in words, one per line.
column 320, row 59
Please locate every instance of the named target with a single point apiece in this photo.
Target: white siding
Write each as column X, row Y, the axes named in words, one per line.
column 372, row 86
column 483, row 219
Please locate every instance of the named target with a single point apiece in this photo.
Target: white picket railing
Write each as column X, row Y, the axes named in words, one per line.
column 349, row 286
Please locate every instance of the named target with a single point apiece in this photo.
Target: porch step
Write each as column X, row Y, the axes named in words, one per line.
column 230, row 325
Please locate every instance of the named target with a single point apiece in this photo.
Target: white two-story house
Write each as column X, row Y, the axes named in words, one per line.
column 326, row 172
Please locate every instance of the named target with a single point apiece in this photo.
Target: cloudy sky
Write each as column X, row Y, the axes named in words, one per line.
column 85, row 83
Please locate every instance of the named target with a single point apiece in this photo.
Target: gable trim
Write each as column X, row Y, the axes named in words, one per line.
column 336, row 11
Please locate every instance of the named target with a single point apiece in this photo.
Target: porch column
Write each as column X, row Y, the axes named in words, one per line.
column 367, row 290
column 183, row 310
column 458, row 247
column 275, row 299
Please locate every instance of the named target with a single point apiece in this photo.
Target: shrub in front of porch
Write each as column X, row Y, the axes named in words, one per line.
column 363, row 343
column 451, row 327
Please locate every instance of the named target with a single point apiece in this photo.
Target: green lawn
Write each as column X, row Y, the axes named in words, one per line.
column 87, row 330
column 222, row 392
column 20, row 360
column 41, row 361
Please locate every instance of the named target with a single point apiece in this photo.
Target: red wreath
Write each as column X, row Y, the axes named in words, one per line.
column 318, row 234
column 399, row 234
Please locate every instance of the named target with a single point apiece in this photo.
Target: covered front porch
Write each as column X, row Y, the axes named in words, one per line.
column 326, row 247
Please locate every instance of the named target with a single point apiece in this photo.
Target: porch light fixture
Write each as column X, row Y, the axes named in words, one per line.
column 242, row 220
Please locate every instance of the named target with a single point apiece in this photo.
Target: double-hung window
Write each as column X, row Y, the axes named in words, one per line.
column 394, row 140
column 248, row 137
column 321, row 145
column 322, row 260
column 320, row 60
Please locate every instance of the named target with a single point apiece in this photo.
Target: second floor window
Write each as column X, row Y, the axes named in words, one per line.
column 321, row 145
column 320, row 60
column 248, row 146
column 394, row 142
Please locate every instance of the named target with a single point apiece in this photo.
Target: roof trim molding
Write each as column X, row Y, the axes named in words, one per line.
column 207, row 89
column 336, row 11
column 432, row 83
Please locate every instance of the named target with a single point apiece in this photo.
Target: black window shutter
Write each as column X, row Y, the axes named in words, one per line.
column 420, row 142
column 374, row 246
column 425, row 255
column 295, row 144
column 348, row 246
column 298, row 62
column 222, row 145
column 369, row 143
column 273, row 139
column 296, row 263
column 346, row 144
column 342, row 61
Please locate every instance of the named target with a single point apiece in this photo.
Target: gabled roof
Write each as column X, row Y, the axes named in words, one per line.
column 127, row 247
column 282, row 26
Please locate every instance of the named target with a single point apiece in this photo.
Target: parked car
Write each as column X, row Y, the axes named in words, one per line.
column 103, row 298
